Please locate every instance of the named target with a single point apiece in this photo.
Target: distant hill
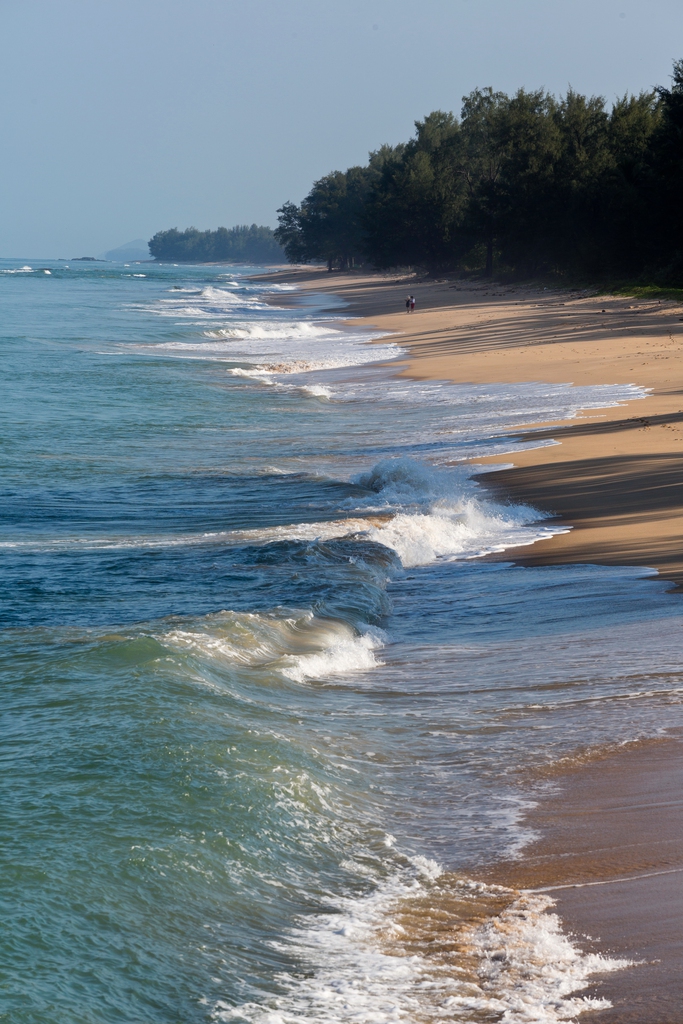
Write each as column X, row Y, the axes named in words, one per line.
column 241, row 244
column 128, row 253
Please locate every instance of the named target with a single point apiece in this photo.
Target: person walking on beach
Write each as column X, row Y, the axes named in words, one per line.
column 412, row 303
column 408, row 304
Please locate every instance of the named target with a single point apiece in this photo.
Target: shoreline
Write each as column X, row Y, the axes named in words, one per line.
column 610, row 854
column 614, row 477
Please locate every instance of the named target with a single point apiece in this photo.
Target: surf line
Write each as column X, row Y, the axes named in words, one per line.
column 606, row 881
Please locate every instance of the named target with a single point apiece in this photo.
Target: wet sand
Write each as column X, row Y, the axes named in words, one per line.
column 610, row 853
column 611, row 833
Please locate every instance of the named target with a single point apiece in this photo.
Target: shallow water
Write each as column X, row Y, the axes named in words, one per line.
column 265, row 710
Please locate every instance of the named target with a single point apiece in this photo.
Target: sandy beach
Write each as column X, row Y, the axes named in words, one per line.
column 615, row 474
column 609, row 848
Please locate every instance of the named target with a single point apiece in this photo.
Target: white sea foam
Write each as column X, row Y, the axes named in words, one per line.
column 474, row 411
column 467, row 529
column 240, row 326
column 218, row 296
column 300, row 646
column 275, row 345
column 209, row 303
column 294, row 347
column 264, row 535
column 442, row 516
column 350, row 653
column 281, row 356
column 18, row 270
column 281, row 288
column 360, row 965
column 252, row 373
column 317, row 390
column 446, row 517
column 266, row 331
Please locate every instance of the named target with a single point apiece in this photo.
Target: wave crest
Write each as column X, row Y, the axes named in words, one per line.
column 299, row 646
column 440, row 513
column 260, row 331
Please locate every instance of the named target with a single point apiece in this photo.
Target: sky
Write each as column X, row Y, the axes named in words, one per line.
column 120, row 118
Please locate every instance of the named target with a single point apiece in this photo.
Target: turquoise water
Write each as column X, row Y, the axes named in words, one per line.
column 259, row 692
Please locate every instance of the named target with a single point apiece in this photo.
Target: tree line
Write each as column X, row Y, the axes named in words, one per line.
column 527, row 184
column 241, row 244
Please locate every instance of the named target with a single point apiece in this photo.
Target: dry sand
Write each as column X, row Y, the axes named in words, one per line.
column 613, row 832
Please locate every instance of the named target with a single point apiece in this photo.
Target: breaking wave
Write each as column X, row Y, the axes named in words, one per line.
column 298, row 645
column 265, row 331
column 422, row 513
column 437, row 513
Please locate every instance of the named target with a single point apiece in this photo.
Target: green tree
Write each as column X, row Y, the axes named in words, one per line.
column 540, row 184
column 486, row 141
column 528, row 140
column 242, row 244
column 627, row 185
column 415, row 204
column 328, row 225
column 575, row 208
column 667, row 196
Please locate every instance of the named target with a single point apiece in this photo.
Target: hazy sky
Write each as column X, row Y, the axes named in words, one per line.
column 123, row 117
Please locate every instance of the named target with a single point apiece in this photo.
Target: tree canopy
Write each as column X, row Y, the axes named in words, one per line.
column 241, row 244
column 528, row 183
column 329, row 226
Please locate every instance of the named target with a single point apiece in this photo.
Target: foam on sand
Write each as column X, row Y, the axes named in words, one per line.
column 494, row 954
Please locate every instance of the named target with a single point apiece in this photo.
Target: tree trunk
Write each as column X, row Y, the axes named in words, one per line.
column 329, row 266
column 489, row 258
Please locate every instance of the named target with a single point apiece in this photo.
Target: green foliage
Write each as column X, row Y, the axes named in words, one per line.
column 326, row 227
column 329, row 225
column 241, row 244
column 643, row 291
column 415, row 204
column 529, row 184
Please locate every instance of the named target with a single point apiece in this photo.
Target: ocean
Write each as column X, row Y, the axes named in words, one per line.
column 266, row 710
